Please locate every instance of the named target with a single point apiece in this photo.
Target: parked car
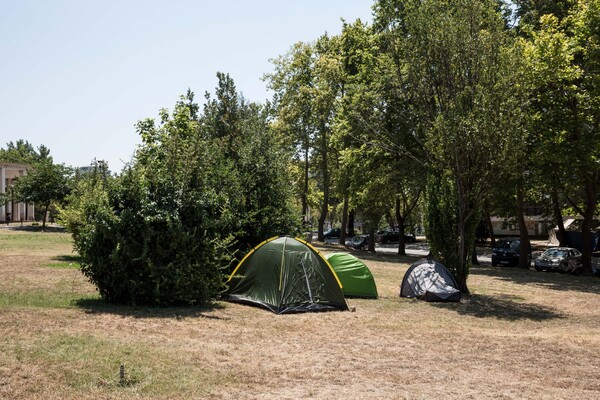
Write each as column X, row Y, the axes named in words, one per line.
column 564, row 259
column 359, row 242
column 385, row 237
column 506, row 252
column 332, row 233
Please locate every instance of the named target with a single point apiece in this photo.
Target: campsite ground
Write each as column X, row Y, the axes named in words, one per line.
column 521, row 335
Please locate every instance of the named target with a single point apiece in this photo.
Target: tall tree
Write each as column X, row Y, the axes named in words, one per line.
column 459, row 63
column 307, row 82
column 377, row 114
column 292, row 84
column 564, row 59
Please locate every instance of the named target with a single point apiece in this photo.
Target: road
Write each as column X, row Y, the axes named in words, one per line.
column 484, row 255
column 421, row 248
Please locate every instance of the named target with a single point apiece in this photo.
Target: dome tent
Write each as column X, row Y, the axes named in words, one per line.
column 357, row 280
column 286, row 275
column 430, row 281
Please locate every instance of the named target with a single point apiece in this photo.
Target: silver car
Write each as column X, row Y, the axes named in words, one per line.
column 564, row 259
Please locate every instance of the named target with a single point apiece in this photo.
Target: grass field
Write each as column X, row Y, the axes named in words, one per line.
column 521, row 335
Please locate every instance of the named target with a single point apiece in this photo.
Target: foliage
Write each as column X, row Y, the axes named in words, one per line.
column 22, row 151
column 458, row 65
column 563, row 60
column 200, row 188
column 44, row 183
column 307, row 83
column 440, row 220
column 259, row 187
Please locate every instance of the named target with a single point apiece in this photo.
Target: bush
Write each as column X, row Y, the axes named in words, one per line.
column 165, row 231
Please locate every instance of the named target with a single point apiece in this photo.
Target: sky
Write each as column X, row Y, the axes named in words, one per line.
column 76, row 75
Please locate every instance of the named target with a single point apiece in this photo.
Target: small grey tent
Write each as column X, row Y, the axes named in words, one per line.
column 286, row 275
column 430, row 281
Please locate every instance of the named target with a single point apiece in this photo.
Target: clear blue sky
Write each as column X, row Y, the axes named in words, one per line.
column 76, row 75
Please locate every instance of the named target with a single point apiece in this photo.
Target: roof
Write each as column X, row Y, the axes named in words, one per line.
column 13, row 165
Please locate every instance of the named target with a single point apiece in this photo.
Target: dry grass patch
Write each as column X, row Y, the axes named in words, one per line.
column 521, row 335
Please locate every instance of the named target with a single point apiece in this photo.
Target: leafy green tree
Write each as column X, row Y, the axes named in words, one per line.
column 530, row 12
column 458, row 62
column 379, row 112
column 260, row 190
column 22, row 151
column 292, row 84
column 45, row 183
column 307, row 82
column 564, row 57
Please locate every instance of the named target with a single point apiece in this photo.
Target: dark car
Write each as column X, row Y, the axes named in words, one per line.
column 559, row 259
column 394, row 237
column 506, row 252
column 332, row 233
column 359, row 242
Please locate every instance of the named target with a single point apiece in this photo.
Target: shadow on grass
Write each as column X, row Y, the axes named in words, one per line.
column 67, row 258
column 29, row 228
column 550, row 280
column 508, row 308
column 99, row 306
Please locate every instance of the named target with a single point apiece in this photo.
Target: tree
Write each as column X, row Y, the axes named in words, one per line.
column 260, row 190
column 459, row 61
column 22, row 151
column 563, row 57
column 380, row 108
column 44, row 183
column 292, row 83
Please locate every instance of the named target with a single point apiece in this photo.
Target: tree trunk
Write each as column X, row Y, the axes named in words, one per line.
column 47, row 206
column 323, row 214
column 474, row 259
column 390, row 221
column 488, row 217
column 400, row 220
column 562, row 233
column 351, row 223
column 525, row 245
column 462, row 269
column 325, row 172
column 591, row 198
column 304, row 200
column 344, row 221
column 372, row 238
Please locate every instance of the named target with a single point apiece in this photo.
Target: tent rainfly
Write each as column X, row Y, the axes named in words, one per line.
column 356, row 278
column 430, row 281
column 286, row 275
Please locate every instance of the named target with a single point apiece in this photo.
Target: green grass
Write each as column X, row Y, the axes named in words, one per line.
column 43, row 299
column 32, row 242
column 65, row 262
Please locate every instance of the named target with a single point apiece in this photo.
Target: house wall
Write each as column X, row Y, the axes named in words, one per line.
column 14, row 211
column 536, row 226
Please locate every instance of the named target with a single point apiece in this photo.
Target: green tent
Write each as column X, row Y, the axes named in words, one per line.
column 286, row 275
column 357, row 280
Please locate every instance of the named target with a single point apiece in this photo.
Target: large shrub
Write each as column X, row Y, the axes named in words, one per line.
column 165, row 230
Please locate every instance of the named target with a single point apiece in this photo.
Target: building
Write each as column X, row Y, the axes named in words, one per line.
column 13, row 210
